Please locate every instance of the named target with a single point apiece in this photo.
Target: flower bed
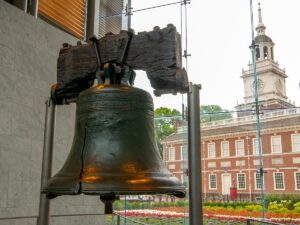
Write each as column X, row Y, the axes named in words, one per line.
column 240, row 215
column 151, row 213
column 284, row 211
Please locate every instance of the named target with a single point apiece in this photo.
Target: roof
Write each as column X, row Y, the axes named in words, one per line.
column 263, row 38
column 235, row 128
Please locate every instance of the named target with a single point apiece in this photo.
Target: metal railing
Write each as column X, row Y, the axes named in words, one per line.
column 247, row 119
column 57, row 215
column 260, row 222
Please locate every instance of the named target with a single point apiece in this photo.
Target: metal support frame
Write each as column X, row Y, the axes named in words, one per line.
column 92, row 20
column 25, row 5
column 33, row 7
column 44, row 206
column 129, row 14
column 194, row 156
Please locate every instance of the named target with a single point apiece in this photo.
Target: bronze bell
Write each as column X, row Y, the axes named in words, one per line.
column 114, row 151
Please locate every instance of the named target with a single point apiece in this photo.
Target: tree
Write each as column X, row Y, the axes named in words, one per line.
column 166, row 119
column 165, row 123
column 210, row 113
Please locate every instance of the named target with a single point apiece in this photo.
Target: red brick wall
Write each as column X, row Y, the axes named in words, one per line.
column 287, row 166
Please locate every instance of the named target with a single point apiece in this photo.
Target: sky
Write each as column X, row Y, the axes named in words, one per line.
column 219, row 35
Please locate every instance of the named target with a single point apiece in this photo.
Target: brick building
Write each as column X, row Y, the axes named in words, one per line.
column 230, row 150
column 230, row 155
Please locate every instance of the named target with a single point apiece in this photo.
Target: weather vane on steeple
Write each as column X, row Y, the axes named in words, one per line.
column 259, row 13
column 260, row 27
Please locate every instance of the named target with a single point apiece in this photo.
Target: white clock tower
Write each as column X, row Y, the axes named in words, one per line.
column 270, row 78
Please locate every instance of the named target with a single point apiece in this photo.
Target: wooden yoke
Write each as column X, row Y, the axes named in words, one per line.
column 157, row 52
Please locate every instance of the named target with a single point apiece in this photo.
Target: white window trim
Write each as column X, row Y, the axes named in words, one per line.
column 292, row 141
column 295, row 179
column 169, row 154
column 253, row 144
column 272, row 137
column 237, row 178
column 236, row 147
column 274, row 181
column 263, row 183
column 222, row 149
column 209, row 184
column 213, row 144
column 181, row 155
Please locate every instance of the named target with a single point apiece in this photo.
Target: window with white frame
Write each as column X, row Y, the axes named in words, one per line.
column 297, row 180
column 258, row 181
column 171, row 154
column 241, row 178
column 276, row 144
column 225, row 148
column 212, row 181
column 239, row 147
column 211, row 147
column 256, row 147
column 183, row 152
column 278, row 181
column 295, row 142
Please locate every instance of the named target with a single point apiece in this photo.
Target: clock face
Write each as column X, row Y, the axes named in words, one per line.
column 278, row 85
column 260, row 85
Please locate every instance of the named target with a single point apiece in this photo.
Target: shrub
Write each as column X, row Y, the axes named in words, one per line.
column 180, row 203
column 278, row 197
column 239, row 208
column 281, row 207
column 253, row 208
column 296, row 207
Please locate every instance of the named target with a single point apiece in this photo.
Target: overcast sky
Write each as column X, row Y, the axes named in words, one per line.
column 219, row 35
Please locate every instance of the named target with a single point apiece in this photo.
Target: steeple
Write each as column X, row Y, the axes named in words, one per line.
column 265, row 45
column 260, row 27
column 270, row 77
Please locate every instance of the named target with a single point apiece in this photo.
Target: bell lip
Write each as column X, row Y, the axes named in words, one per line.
column 54, row 189
column 177, row 193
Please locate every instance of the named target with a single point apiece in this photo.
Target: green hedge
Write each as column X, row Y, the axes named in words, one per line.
column 233, row 205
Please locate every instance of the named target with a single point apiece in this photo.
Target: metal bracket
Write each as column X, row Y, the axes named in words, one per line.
column 184, row 2
column 185, row 54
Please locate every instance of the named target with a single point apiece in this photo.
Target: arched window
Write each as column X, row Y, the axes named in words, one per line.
column 265, row 52
column 257, row 53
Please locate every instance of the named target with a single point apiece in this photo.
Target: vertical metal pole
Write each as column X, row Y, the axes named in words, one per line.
column 118, row 220
column 34, row 8
column 257, row 113
column 24, row 5
column 129, row 14
column 44, row 207
column 195, row 176
column 92, row 18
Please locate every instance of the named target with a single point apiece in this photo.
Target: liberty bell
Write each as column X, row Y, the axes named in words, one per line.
column 114, row 151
